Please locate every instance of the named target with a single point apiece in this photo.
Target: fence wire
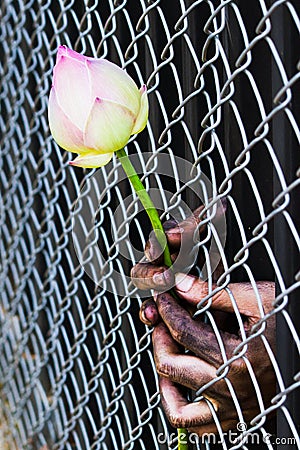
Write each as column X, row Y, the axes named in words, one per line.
column 223, row 78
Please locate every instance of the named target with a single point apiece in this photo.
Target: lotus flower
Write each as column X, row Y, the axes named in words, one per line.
column 94, row 107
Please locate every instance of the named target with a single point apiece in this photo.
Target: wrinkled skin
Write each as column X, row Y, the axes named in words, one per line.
column 176, row 330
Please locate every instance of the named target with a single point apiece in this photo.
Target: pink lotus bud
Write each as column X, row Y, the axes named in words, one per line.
column 94, row 107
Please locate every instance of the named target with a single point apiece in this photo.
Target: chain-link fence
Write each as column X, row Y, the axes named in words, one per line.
column 76, row 364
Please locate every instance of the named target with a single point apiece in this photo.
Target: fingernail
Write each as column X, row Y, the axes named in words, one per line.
column 159, row 279
column 153, row 253
column 224, row 203
column 183, row 282
column 163, row 279
column 149, row 315
column 169, row 224
column 174, row 230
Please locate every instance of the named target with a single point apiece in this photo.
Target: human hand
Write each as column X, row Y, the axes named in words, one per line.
column 233, row 312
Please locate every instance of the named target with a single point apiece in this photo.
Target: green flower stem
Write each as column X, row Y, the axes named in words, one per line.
column 182, row 439
column 146, row 202
column 160, row 235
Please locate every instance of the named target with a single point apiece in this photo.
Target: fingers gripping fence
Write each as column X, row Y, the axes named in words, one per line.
column 223, row 77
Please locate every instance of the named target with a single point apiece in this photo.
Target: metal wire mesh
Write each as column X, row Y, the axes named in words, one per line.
column 76, row 364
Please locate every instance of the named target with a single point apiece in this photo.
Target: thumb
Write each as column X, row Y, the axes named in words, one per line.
column 193, row 290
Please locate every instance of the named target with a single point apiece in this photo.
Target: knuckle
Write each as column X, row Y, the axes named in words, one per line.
column 178, row 420
column 134, row 272
column 239, row 367
column 163, row 366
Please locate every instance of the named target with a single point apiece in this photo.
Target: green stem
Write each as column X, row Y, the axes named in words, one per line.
column 146, row 202
column 182, row 439
column 160, row 235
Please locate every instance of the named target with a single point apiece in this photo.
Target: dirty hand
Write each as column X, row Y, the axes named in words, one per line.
column 189, row 351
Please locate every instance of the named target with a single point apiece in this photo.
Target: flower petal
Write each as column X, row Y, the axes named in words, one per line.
column 142, row 117
column 91, row 160
column 63, row 50
column 65, row 133
column 73, row 91
column 112, row 83
column 109, row 126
